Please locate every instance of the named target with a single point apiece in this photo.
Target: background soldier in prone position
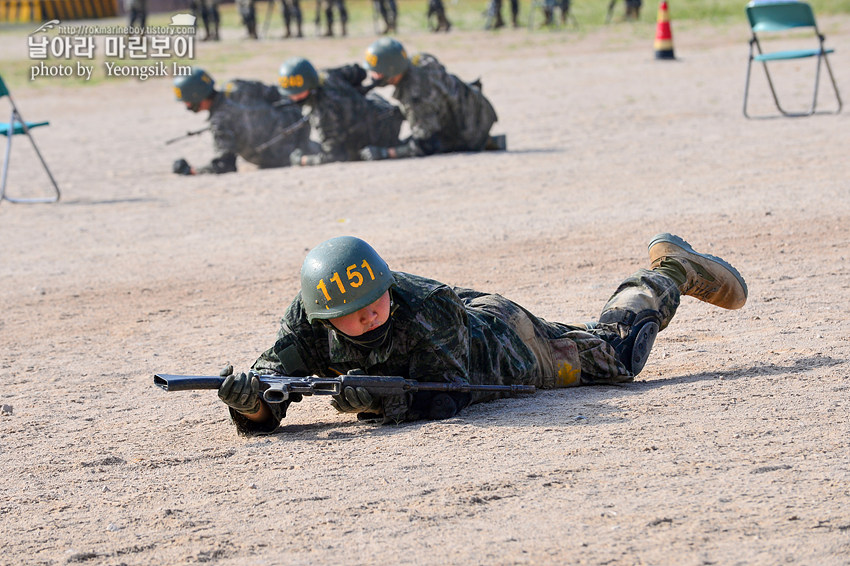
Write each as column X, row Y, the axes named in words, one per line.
column 355, row 315
column 247, row 118
column 343, row 115
column 444, row 113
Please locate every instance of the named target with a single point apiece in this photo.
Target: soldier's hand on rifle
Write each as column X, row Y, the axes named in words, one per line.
column 240, row 391
column 297, row 157
column 374, row 153
column 182, row 167
column 356, row 399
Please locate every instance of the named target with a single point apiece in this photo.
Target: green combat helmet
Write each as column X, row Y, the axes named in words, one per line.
column 297, row 75
column 387, row 57
column 194, row 88
column 341, row 276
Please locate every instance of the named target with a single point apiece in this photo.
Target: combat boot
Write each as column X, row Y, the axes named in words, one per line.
column 706, row 277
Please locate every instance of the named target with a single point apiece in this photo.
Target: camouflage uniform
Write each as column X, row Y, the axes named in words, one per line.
column 445, row 334
column 247, row 115
column 328, row 7
column 344, row 120
column 248, row 13
column 292, row 11
column 445, row 114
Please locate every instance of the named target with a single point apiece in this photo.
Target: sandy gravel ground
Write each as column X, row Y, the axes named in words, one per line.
column 731, row 448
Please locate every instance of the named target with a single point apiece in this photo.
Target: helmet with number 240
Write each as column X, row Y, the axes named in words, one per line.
column 341, row 276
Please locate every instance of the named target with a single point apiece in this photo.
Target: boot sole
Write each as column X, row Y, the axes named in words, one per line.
column 680, row 243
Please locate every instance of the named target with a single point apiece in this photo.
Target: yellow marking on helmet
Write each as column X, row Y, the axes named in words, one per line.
column 567, row 376
column 290, row 81
column 178, row 93
column 371, row 58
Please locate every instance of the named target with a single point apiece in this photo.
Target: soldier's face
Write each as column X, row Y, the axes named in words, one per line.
column 381, row 80
column 300, row 96
column 202, row 105
column 368, row 318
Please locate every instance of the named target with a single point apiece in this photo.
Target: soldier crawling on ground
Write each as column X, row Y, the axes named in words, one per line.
column 247, row 119
column 354, row 315
column 344, row 116
column 445, row 114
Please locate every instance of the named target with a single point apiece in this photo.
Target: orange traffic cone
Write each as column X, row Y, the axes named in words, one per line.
column 663, row 35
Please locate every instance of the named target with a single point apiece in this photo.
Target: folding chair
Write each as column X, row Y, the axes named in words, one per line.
column 765, row 16
column 17, row 125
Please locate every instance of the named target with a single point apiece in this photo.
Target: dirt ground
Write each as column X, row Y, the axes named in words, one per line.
column 730, row 448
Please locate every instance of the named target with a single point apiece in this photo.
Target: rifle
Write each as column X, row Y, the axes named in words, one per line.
column 279, row 388
column 295, row 126
column 187, row 135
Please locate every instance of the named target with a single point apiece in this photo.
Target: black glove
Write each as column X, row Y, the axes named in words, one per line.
column 182, row 167
column 356, row 399
column 241, row 392
column 374, row 153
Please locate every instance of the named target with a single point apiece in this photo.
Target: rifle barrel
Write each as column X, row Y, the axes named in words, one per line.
column 187, row 382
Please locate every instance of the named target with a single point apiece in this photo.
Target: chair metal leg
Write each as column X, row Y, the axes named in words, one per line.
column 834, row 85
column 3, row 195
column 784, row 112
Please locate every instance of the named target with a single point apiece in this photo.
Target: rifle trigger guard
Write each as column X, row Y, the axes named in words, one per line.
column 276, row 394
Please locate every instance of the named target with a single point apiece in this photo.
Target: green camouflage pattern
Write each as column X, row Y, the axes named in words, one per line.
column 445, row 114
column 344, row 120
column 247, row 115
column 446, row 334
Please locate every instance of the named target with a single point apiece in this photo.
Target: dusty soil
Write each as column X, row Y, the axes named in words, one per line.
column 731, row 448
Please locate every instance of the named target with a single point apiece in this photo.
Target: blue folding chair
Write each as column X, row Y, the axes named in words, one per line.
column 767, row 16
column 16, row 126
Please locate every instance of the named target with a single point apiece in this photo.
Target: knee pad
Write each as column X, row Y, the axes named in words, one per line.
column 633, row 335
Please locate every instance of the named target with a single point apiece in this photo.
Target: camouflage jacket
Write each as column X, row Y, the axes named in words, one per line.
column 344, row 120
column 445, row 114
column 250, row 119
column 439, row 334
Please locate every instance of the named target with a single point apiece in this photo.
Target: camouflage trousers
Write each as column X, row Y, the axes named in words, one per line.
column 568, row 355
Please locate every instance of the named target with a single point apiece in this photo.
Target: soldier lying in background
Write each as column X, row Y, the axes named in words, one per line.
column 247, row 119
column 343, row 115
column 445, row 114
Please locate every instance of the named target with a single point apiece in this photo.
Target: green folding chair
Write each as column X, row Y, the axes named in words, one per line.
column 784, row 16
column 17, row 126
